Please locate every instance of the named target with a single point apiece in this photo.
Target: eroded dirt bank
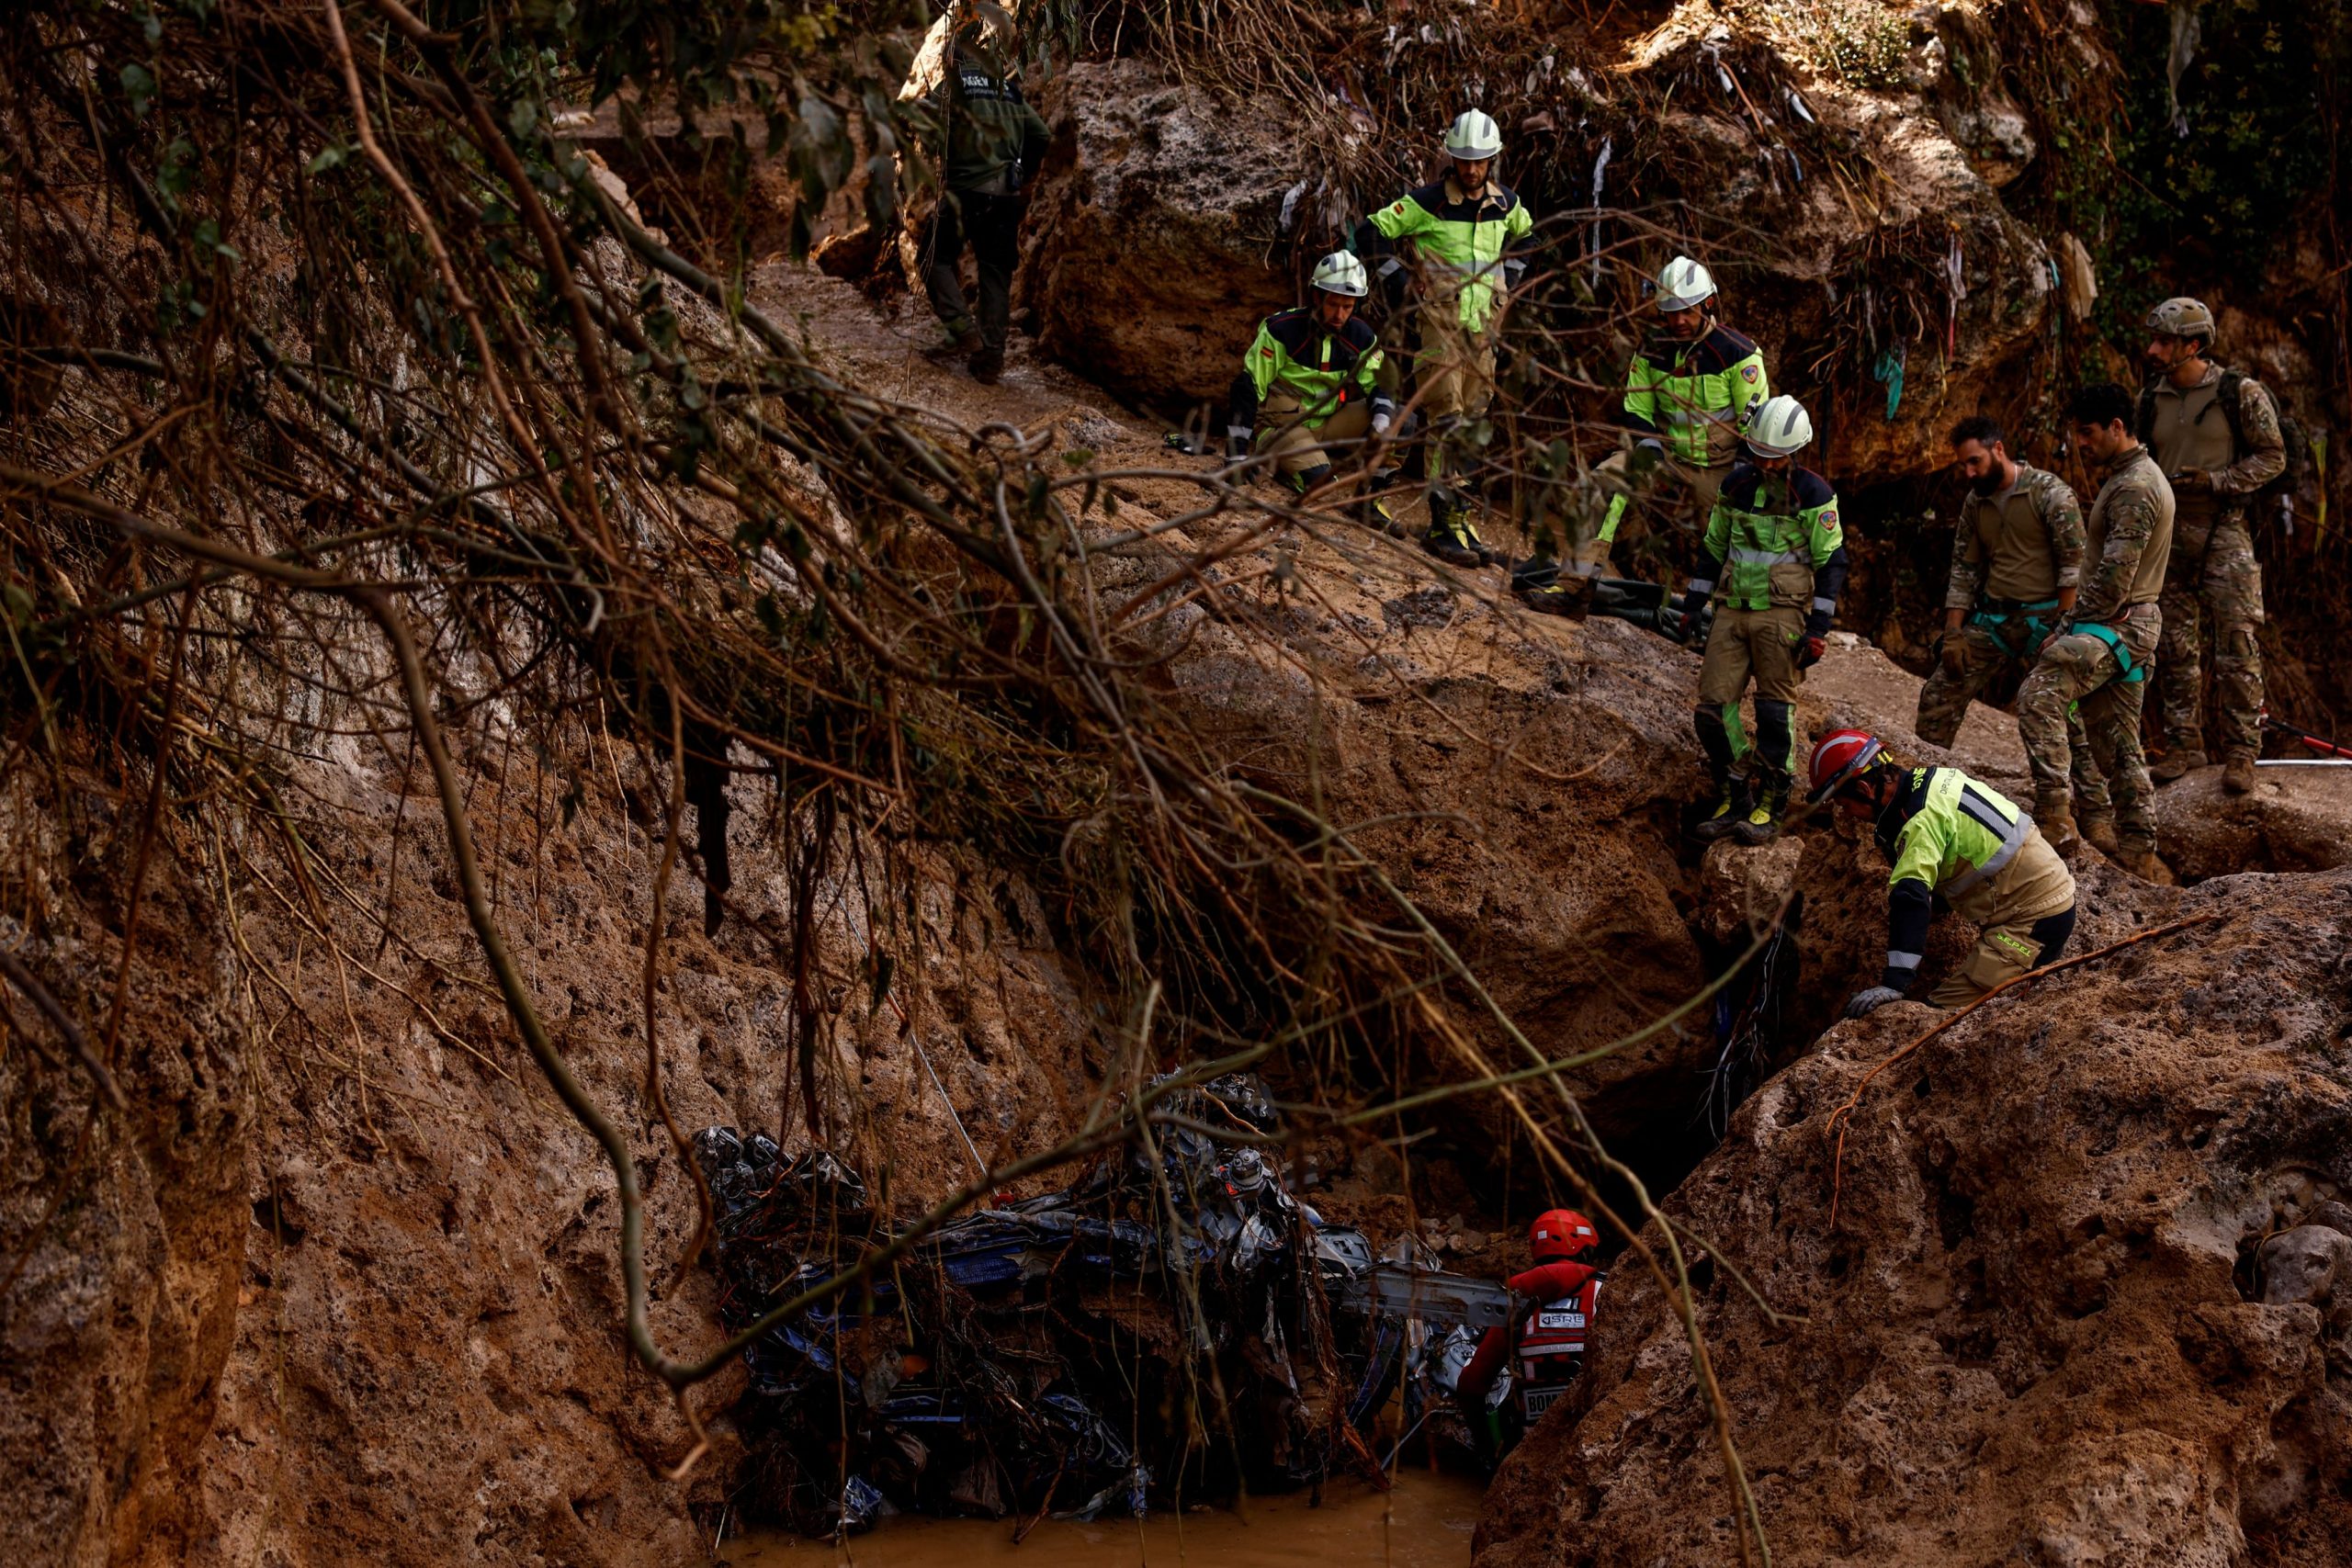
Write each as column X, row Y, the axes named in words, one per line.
column 2028, row 1335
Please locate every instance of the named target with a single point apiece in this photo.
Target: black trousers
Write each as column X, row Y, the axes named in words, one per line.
column 991, row 226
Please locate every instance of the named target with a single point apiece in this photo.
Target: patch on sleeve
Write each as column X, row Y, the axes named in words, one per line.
column 1267, row 352
column 1829, row 517
column 1399, row 209
column 1748, row 373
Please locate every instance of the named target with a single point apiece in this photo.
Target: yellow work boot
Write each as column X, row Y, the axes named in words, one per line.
column 2176, row 763
column 2141, row 861
column 1763, row 824
column 2237, row 773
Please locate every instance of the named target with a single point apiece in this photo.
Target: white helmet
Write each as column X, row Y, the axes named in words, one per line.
column 1341, row 273
column 1683, row 284
column 1778, row 428
column 1474, row 136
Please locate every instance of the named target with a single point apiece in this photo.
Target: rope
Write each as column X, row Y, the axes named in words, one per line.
column 1841, row 1119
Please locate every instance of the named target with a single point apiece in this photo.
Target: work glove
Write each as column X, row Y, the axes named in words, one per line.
column 1867, row 1002
column 1647, row 454
column 1810, row 650
column 2194, row 480
column 1953, row 654
column 1380, row 423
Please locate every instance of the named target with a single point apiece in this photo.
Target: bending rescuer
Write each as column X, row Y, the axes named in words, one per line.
column 1951, row 838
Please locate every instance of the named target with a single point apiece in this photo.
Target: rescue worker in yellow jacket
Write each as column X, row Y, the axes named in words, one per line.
column 1689, row 393
column 1775, row 565
column 1313, row 375
column 1470, row 241
column 1951, row 838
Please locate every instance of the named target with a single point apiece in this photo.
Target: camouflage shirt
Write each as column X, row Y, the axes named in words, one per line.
column 2184, row 435
column 2130, row 542
column 2024, row 544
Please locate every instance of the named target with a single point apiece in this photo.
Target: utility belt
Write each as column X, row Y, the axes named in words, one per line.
column 1995, row 616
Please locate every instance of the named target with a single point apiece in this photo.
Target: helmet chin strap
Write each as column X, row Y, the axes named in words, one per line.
column 1882, row 823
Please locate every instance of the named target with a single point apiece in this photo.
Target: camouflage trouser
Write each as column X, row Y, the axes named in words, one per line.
column 1985, row 657
column 2080, row 671
column 2226, row 582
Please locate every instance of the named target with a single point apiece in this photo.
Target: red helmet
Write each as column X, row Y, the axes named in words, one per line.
column 1560, row 1233
column 1837, row 756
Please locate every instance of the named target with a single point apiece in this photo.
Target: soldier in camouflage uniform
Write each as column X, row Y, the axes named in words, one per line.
column 2017, row 559
column 2099, row 661
column 2215, row 459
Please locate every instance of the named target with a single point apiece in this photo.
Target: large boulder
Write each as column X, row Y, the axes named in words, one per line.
column 1151, row 229
column 2031, row 1328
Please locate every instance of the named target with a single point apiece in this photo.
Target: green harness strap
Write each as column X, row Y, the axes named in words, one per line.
column 2037, row 629
column 2132, row 670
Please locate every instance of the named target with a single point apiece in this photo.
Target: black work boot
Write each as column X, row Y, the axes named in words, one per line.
column 1566, row 594
column 1305, row 480
column 1450, row 537
column 1731, row 806
column 1762, row 823
column 987, row 365
column 1379, row 519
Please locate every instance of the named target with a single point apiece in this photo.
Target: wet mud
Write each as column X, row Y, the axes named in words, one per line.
column 1425, row 1522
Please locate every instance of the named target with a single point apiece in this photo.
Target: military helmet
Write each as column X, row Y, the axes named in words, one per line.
column 2182, row 317
column 1474, row 136
column 1684, row 283
column 1341, row 273
column 1778, row 428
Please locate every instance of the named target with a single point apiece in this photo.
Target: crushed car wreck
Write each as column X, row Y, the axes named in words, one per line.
column 1165, row 1329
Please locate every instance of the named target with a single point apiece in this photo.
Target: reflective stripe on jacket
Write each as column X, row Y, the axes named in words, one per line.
column 1322, row 369
column 1962, row 832
column 1696, row 394
column 1772, row 532
column 1551, row 1347
column 1453, row 234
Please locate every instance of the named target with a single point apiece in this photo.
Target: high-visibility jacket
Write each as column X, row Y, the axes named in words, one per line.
column 1472, row 243
column 1696, row 394
column 1776, row 543
column 1323, row 369
column 1953, row 838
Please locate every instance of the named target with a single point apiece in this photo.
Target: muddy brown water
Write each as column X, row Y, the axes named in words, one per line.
column 1424, row 1523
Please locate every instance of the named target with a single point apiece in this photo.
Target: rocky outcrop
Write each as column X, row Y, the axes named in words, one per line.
column 2298, row 819
column 124, row 1262
column 2032, row 1330
column 1156, row 232
column 1172, row 218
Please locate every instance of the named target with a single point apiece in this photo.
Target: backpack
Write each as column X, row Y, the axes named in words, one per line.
column 2228, row 396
